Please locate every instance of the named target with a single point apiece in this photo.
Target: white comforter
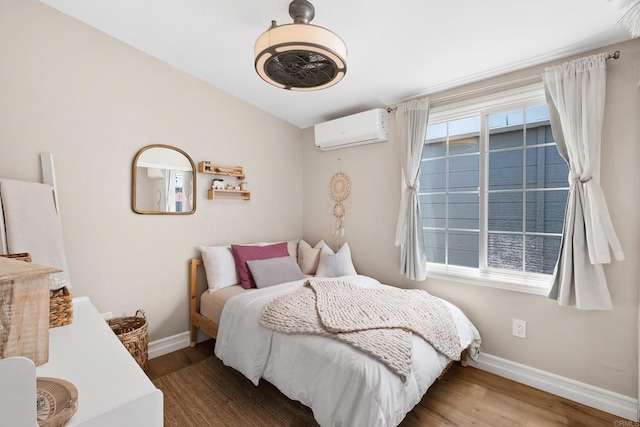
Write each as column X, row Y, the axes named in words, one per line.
column 343, row 386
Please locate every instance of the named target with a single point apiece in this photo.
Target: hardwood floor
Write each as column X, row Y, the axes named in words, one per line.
column 464, row 397
column 177, row 360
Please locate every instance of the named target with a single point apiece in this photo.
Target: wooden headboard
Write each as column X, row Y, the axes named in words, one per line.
column 196, row 319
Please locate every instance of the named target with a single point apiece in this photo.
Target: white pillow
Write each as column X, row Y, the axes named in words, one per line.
column 219, row 267
column 292, row 247
column 273, row 271
column 308, row 257
column 335, row 264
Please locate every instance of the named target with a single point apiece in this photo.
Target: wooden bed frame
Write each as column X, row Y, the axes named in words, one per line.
column 210, row 327
column 197, row 320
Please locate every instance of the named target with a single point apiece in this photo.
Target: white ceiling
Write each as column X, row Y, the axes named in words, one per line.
column 397, row 49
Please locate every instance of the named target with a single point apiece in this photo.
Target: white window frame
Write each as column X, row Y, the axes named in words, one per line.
column 532, row 283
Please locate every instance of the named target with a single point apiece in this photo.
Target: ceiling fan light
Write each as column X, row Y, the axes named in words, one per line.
column 300, row 56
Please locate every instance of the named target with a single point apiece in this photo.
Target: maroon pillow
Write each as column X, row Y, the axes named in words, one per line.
column 242, row 254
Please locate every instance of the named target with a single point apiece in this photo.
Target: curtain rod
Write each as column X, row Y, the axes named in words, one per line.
column 530, row 79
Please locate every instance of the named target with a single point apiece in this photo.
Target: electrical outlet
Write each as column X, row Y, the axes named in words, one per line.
column 106, row 316
column 519, row 328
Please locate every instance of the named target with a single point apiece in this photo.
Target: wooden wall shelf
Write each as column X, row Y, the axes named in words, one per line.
column 223, row 170
column 228, row 194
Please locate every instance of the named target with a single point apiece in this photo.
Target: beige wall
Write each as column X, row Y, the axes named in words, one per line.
column 94, row 102
column 597, row 348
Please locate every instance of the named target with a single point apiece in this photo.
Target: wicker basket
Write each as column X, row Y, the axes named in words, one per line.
column 56, row 401
column 60, row 307
column 132, row 332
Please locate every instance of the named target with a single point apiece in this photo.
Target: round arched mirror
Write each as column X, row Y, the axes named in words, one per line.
column 163, row 181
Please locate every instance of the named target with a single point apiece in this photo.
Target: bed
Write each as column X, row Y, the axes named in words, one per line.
column 342, row 385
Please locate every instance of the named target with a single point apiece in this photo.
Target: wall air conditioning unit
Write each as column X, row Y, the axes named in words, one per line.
column 358, row 129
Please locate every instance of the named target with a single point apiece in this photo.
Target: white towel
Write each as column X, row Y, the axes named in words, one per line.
column 32, row 225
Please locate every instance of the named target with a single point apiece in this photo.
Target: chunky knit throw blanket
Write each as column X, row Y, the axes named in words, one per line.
column 378, row 322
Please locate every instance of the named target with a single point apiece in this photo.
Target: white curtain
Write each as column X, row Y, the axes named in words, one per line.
column 575, row 94
column 411, row 125
column 170, row 191
column 187, row 186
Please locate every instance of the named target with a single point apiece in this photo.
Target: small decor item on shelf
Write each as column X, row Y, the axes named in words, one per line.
column 228, row 170
column 60, row 307
column 56, row 401
column 243, row 186
column 132, row 332
column 217, row 184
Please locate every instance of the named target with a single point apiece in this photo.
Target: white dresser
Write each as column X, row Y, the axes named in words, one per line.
column 112, row 389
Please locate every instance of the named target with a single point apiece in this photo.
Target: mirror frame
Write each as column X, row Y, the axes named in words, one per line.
column 134, row 181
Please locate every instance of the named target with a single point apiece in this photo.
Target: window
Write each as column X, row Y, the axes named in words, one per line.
column 493, row 190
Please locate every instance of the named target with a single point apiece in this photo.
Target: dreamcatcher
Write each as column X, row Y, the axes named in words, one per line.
column 339, row 190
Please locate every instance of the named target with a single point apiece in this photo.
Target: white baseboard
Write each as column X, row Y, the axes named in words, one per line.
column 604, row 400
column 167, row 345
column 174, row 343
